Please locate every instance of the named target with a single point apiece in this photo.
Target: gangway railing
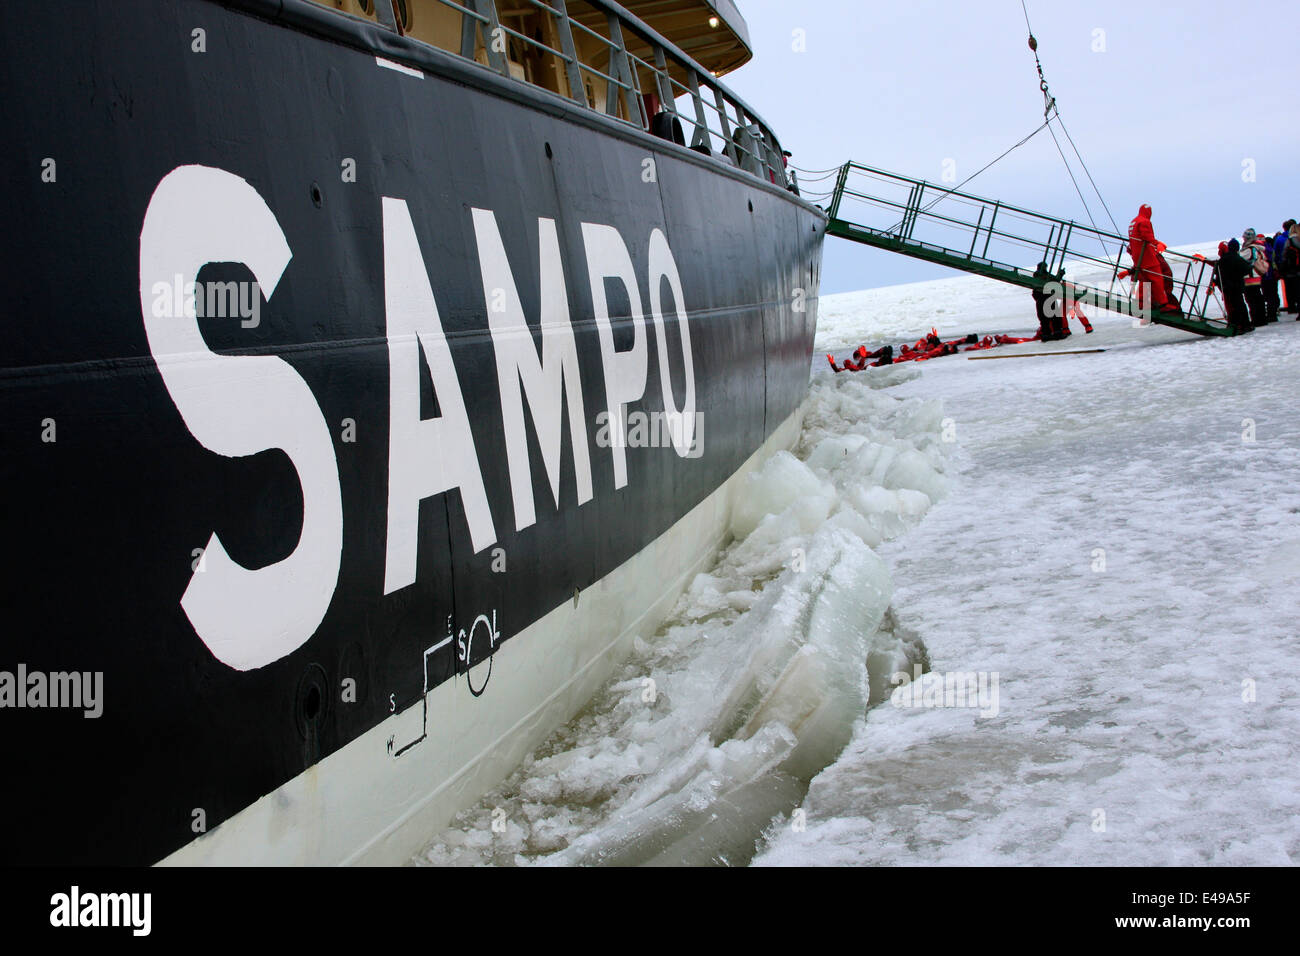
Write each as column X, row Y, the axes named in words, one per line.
column 1000, row 241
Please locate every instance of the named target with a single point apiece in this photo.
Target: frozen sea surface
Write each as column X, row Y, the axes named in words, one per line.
column 1095, row 537
column 1121, row 547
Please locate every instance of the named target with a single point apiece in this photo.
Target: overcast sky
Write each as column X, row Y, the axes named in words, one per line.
column 1166, row 112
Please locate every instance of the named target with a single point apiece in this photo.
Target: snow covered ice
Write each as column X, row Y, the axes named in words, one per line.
column 1113, row 539
column 1126, row 559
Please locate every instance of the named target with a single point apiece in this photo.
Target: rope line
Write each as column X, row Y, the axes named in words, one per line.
column 1087, row 172
column 1070, row 172
column 947, row 192
column 1050, row 111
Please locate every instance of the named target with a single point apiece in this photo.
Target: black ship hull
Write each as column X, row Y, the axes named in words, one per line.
column 313, row 515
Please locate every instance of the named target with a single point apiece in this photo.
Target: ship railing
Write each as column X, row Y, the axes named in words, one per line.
column 484, row 34
column 648, row 82
column 735, row 132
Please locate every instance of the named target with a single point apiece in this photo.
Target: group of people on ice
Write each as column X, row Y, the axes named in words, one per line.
column 1250, row 272
column 928, row 347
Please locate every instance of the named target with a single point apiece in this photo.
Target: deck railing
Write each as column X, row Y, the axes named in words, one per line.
column 647, row 81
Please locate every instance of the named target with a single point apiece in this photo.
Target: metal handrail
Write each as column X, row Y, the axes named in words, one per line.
column 930, row 205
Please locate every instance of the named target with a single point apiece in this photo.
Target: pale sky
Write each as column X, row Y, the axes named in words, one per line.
column 1181, row 95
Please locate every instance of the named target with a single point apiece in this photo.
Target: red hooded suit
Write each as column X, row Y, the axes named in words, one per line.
column 1149, row 265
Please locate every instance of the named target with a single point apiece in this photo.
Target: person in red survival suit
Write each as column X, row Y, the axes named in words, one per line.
column 927, row 342
column 1074, row 312
column 883, row 356
column 1149, row 266
column 858, row 361
column 934, row 348
column 849, row 364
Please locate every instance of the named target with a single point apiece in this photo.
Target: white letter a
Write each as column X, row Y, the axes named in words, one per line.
column 426, row 457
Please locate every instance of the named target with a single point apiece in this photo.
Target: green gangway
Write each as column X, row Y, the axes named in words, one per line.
column 984, row 236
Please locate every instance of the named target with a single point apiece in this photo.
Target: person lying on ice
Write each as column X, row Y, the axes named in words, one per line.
column 927, row 342
column 1151, row 273
column 1013, row 340
column 849, row 364
column 932, row 343
column 882, row 356
column 931, row 347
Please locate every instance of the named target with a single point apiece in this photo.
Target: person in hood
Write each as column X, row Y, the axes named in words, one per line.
column 1150, row 270
column 1230, row 273
column 1250, row 253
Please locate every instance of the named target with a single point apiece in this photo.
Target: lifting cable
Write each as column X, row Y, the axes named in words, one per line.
column 1052, row 112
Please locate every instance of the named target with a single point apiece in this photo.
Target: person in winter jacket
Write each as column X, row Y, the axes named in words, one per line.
column 1286, row 258
column 1047, row 307
column 1250, row 252
column 1269, row 280
column 1150, row 270
column 1231, row 271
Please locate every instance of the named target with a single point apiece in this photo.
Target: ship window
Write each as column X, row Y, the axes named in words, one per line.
column 433, row 22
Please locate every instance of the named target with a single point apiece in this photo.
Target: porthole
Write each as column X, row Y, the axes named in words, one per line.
column 311, row 705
